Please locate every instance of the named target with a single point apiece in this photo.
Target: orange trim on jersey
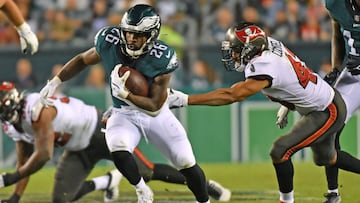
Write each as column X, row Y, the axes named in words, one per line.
column 143, row 159
column 316, row 135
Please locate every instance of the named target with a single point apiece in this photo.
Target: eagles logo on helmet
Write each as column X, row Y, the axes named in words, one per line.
column 246, row 40
column 142, row 20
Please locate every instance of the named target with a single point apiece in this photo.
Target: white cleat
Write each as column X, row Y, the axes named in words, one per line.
column 221, row 194
column 145, row 195
column 112, row 191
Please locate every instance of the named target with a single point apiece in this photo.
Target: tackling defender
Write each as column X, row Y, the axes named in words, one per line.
column 134, row 43
column 28, row 39
column 275, row 71
column 76, row 127
column 345, row 17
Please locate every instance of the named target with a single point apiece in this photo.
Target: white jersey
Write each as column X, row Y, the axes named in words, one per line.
column 74, row 123
column 292, row 82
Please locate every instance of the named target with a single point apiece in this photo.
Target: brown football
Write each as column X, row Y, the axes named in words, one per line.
column 136, row 83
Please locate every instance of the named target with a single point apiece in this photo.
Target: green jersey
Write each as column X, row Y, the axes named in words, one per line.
column 340, row 10
column 160, row 59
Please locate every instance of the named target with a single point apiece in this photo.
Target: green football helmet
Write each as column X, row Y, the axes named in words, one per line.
column 143, row 20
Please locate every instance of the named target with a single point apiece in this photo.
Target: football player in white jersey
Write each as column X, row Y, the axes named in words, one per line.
column 135, row 43
column 345, row 75
column 76, row 127
column 28, row 39
column 275, row 71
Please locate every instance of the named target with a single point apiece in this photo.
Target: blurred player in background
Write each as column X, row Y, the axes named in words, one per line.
column 28, row 40
column 76, row 127
column 275, row 71
column 134, row 43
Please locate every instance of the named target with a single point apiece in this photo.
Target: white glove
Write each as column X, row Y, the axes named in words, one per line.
column 49, row 91
column 27, row 37
column 2, row 182
column 177, row 99
column 282, row 119
column 118, row 83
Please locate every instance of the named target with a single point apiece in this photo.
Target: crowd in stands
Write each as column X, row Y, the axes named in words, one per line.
column 186, row 24
column 204, row 21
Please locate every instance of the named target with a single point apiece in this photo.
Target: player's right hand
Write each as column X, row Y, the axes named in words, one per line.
column 28, row 39
column 176, row 99
column 118, row 87
column 282, row 119
column 49, row 91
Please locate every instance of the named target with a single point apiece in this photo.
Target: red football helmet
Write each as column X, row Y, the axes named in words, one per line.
column 246, row 39
column 11, row 102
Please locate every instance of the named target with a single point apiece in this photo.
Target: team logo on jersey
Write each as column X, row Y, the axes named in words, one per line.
column 252, row 68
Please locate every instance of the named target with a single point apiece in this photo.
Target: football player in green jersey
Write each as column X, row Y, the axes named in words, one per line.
column 134, row 43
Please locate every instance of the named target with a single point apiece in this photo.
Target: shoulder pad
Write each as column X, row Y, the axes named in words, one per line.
column 36, row 110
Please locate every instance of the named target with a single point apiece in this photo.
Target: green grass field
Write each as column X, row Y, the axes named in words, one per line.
column 249, row 182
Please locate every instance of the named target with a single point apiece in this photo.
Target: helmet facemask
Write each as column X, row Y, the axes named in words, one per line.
column 247, row 41
column 11, row 103
column 141, row 20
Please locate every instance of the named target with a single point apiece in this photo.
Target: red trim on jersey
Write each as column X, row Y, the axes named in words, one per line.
column 316, row 135
column 143, row 159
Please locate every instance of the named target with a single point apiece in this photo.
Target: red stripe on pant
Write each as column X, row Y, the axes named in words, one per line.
column 316, row 135
column 142, row 157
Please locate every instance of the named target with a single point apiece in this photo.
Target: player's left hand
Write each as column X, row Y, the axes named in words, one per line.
column 118, row 83
column 331, row 77
column 353, row 65
column 49, row 90
column 13, row 199
column 7, row 179
column 282, row 119
column 177, row 99
column 28, row 39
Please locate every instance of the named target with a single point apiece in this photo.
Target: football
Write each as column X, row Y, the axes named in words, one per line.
column 136, row 83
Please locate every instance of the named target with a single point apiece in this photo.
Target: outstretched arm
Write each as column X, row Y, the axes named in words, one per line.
column 12, row 12
column 28, row 39
column 24, row 151
column 223, row 96
column 69, row 70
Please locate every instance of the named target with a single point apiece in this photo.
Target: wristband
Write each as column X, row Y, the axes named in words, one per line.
column 56, row 81
column 11, row 178
column 23, row 28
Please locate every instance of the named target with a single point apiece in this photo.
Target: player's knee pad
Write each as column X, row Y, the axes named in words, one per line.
column 277, row 151
column 322, row 159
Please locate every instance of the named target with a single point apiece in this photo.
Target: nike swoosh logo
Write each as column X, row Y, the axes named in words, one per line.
column 168, row 55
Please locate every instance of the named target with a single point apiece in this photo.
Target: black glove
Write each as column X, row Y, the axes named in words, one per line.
column 331, row 76
column 353, row 65
column 7, row 179
column 13, row 199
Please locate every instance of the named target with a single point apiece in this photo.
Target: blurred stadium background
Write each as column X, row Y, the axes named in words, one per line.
column 238, row 133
